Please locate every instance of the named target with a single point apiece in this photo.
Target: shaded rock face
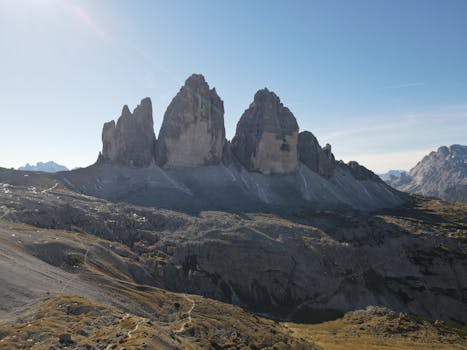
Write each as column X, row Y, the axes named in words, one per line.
column 267, row 136
column 441, row 174
column 130, row 141
column 192, row 133
column 320, row 160
column 360, row 172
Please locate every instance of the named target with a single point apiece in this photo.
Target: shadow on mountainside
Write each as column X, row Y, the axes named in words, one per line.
column 308, row 265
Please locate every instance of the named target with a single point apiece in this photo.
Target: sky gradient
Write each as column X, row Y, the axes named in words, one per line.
column 384, row 82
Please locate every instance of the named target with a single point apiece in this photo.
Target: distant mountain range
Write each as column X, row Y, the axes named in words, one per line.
column 387, row 176
column 47, row 167
column 441, row 174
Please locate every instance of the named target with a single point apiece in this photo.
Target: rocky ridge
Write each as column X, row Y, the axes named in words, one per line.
column 47, row 167
column 192, row 165
column 441, row 174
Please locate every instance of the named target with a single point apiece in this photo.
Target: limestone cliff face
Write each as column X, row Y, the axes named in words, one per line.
column 192, row 133
column 130, row 141
column 267, row 136
column 320, row 160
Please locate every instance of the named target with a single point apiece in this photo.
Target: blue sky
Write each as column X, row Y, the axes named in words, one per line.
column 383, row 81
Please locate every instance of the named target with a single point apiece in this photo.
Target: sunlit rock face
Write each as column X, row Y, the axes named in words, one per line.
column 441, row 174
column 192, row 133
column 130, row 141
column 267, row 136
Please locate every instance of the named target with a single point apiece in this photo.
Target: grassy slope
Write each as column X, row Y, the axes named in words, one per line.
column 359, row 330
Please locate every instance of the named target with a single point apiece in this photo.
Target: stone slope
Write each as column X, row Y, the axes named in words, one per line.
column 230, row 187
column 64, row 289
column 441, row 174
column 192, row 132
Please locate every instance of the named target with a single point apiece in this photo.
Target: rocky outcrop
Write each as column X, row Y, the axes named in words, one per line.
column 441, row 174
column 267, row 136
column 192, row 133
column 130, row 141
column 359, row 172
column 320, row 160
column 196, row 168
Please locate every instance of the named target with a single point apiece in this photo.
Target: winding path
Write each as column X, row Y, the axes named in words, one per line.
column 189, row 320
column 130, row 332
column 50, row 189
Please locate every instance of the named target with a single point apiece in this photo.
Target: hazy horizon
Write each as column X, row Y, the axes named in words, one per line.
column 383, row 82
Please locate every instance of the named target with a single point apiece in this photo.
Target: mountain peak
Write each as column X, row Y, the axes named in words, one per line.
column 130, row 141
column 441, row 173
column 267, row 135
column 196, row 80
column 192, row 132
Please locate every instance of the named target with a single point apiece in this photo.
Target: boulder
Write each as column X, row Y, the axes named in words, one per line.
column 192, row 132
column 267, row 135
column 130, row 141
column 66, row 339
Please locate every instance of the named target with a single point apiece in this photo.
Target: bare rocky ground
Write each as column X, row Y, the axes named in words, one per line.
column 62, row 289
column 168, row 279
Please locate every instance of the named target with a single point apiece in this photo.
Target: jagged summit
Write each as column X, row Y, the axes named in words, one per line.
column 267, row 135
column 272, row 112
column 125, row 112
column 191, row 165
column 192, row 132
column 265, row 93
column 196, row 81
column 130, row 141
